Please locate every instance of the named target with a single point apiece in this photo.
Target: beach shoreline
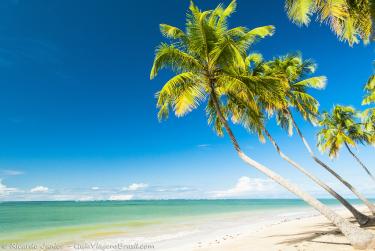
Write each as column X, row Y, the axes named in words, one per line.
column 182, row 225
column 298, row 230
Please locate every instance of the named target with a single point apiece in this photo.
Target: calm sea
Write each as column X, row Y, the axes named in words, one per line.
column 22, row 221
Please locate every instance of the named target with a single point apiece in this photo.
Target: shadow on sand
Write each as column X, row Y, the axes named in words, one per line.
column 311, row 236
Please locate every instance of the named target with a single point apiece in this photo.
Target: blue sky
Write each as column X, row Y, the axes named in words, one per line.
column 78, row 108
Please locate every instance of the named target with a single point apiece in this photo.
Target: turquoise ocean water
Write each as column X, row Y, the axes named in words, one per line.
column 28, row 221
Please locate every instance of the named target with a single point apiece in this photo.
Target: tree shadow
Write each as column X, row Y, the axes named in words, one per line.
column 310, row 236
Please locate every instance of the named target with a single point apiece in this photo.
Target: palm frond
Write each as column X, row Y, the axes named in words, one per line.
column 254, row 58
column 314, row 82
column 201, row 35
column 170, row 56
column 254, row 35
column 229, row 10
column 350, row 20
column 172, row 32
column 284, row 121
column 300, row 11
column 182, row 92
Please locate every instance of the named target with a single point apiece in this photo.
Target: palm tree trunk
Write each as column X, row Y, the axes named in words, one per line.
column 325, row 166
column 362, row 219
column 359, row 238
column 360, row 162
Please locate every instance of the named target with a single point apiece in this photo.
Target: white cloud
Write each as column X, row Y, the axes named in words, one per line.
column 135, row 186
column 39, row 189
column 246, row 186
column 10, row 172
column 5, row 191
column 180, row 189
column 85, row 198
column 121, row 197
column 203, row 145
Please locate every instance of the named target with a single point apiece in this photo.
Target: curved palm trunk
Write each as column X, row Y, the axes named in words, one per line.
column 342, row 180
column 358, row 237
column 362, row 219
column 360, row 162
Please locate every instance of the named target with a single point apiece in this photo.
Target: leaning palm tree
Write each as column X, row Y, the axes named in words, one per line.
column 207, row 58
column 295, row 70
column 341, row 128
column 350, row 20
column 256, row 66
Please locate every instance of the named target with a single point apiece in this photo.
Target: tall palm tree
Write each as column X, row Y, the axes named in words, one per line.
column 341, row 128
column 206, row 59
column 294, row 69
column 256, row 66
column 350, row 20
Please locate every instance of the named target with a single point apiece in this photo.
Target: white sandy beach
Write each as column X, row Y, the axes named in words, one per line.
column 295, row 230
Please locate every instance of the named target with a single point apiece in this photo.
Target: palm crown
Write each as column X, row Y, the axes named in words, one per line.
column 339, row 128
column 295, row 70
column 209, row 59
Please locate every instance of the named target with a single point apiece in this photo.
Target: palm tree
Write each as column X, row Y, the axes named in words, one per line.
column 294, row 69
column 206, row 59
column 341, row 128
column 350, row 20
column 256, row 66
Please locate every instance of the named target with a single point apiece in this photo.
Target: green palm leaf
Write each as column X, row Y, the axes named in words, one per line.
column 314, row 82
column 172, row 32
column 170, row 56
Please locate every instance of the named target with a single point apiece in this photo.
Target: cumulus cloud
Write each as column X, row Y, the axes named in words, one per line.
column 121, row 197
column 85, row 198
column 135, row 186
column 39, row 189
column 5, row 191
column 10, row 172
column 181, row 189
column 203, row 145
column 246, row 186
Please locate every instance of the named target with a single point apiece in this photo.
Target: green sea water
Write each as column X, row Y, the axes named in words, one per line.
column 30, row 221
